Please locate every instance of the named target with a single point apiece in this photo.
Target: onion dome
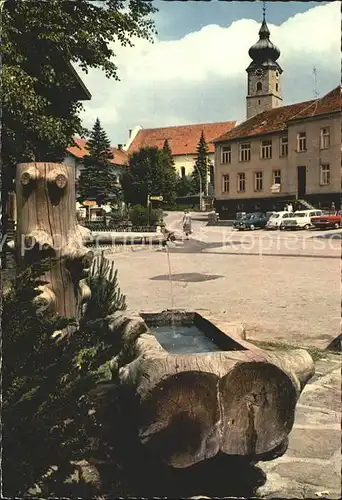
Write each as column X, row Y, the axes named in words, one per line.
column 264, row 50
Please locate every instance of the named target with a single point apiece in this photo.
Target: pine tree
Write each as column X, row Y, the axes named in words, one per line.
column 97, row 180
column 106, row 297
column 170, row 175
column 201, row 165
column 168, row 152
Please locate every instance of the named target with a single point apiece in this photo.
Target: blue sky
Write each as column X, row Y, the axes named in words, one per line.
column 177, row 18
column 194, row 72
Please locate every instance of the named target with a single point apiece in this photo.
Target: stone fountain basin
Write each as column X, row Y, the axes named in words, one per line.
column 229, row 397
column 205, row 332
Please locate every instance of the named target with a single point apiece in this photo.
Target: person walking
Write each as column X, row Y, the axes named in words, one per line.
column 186, row 222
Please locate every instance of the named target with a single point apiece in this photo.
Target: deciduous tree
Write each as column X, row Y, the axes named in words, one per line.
column 150, row 172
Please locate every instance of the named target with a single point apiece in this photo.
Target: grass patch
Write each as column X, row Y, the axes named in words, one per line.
column 315, row 353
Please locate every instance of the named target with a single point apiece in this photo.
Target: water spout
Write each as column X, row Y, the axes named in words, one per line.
column 170, row 276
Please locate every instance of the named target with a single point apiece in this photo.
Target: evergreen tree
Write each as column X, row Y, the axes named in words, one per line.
column 150, row 172
column 184, row 186
column 201, row 165
column 170, row 175
column 168, row 152
column 97, row 180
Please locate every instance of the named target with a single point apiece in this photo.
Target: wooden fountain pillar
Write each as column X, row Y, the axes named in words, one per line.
column 47, row 228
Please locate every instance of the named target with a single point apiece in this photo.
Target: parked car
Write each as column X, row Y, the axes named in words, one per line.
column 327, row 219
column 300, row 219
column 252, row 221
column 276, row 219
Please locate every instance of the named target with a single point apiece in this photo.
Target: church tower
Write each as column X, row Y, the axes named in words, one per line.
column 264, row 91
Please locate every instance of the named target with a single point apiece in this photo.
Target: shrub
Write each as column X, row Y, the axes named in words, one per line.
column 48, row 417
column 106, row 296
column 139, row 216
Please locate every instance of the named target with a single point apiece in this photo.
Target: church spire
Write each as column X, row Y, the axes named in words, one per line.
column 264, row 32
column 264, row 72
column 264, row 51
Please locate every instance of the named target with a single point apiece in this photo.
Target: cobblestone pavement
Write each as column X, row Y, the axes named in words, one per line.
column 311, row 467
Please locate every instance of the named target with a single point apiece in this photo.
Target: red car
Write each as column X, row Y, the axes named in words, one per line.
column 328, row 219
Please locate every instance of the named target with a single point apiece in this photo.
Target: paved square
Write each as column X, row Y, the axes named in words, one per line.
column 284, row 286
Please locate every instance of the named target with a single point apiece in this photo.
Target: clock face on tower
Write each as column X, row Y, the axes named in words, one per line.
column 259, row 73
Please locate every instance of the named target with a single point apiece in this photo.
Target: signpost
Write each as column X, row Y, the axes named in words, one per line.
column 149, row 199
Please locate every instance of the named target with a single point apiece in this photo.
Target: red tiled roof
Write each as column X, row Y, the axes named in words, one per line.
column 329, row 103
column 276, row 119
column 120, row 157
column 183, row 139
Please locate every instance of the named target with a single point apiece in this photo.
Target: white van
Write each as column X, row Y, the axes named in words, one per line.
column 300, row 219
column 276, row 219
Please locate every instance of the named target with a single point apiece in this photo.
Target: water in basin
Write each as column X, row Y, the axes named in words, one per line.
column 179, row 339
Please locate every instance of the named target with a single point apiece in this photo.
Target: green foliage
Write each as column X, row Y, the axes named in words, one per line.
column 201, row 165
column 150, row 172
column 185, row 186
column 97, row 180
column 168, row 153
column 47, row 414
column 106, row 297
column 139, row 216
column 40, row 93
column 38, row 41
column 41, row 389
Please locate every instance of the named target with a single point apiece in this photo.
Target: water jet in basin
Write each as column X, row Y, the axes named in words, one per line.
column 183, row 339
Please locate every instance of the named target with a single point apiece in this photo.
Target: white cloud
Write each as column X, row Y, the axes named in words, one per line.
column 202, row 78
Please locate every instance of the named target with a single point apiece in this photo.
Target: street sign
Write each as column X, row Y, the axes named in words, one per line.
column 156, row 198
column 89, row 203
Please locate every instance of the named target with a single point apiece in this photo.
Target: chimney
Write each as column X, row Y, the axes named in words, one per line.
column 129, row 133
column 120, row 147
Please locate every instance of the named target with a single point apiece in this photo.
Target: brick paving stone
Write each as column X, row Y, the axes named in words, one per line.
column 278, row 486
column 325, row 393
column 327, row 364
column 321, row 417
column 311, row 443
column 321, row 474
